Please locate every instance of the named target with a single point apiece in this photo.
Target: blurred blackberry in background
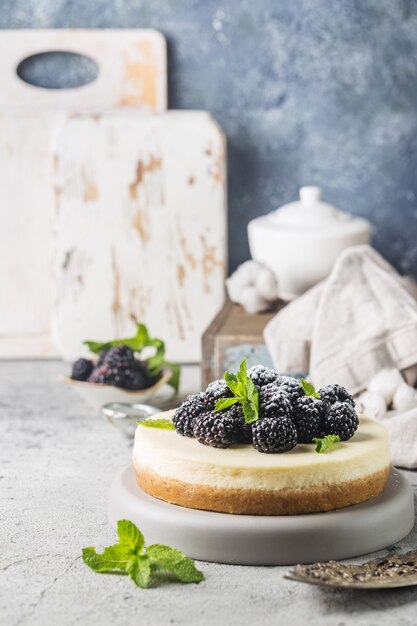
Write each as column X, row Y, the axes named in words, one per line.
column 134, row 377
column 120, row 368
column 101, row 358
column 102, row 375
column 82, row 369
column 119, row 357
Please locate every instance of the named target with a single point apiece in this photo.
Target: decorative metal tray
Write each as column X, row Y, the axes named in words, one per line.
column 393, row 570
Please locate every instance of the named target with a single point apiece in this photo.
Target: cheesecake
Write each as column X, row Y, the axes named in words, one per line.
column 240, row 480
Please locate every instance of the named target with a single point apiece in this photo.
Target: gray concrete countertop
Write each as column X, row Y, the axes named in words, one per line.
column 57, row 460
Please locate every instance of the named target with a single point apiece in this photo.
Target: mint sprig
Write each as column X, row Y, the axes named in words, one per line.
column 159, row 422
column 137, row 343
column 324, row 443
column 244, row 392
column 147, row 566
column 224, row 403
column 309, row 389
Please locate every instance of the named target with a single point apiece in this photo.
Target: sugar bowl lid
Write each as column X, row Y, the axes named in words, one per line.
column 309, row 212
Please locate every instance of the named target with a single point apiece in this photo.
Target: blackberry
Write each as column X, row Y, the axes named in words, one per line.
column 274, row 434
column 101, row 358
column 244, row 434
column 82, row 369
column 341, row 419
column 101, row 375
column 105, row 375
column 216, row 390
column 119, row 357
column 135, row 377
column 274, row 402
column 336, row 393
column 308, row 416
column 292, row 388
column 243, row 430
column 262, row 375
column 216, row 429
column 186, row 414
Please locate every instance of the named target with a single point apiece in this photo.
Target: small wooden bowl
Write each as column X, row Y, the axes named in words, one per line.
column 96, row 394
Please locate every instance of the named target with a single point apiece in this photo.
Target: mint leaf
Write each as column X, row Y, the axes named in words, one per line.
column 175, row 563
column 95, row 561
column 137, row 343
column 242, row 375
column 174, row 381
column 129, row 535
column 145, row 566
column 250, row 412
column 224, row 403
column 139, row 570
column 156, row 361
column 324, row 443
column 309, row 389
column 96, row 346
column 253, row 394
column 159, row 422
column 232, row 382
column 230, row 377
column 244, row 391
column 117, row 554
column 111, row 559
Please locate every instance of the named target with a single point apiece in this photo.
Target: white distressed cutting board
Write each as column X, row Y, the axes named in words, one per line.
column 141, row 223
column 81, row 218
column 26, row 234
column 131, row 69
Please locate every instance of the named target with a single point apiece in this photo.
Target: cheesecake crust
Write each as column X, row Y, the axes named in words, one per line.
column 263, row 502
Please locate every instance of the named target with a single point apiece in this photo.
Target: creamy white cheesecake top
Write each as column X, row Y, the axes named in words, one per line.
column 167, row 454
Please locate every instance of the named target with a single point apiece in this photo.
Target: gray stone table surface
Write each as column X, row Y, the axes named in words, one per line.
column 57, row 460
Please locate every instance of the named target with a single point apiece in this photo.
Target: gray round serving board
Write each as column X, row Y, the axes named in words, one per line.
column 267, row 540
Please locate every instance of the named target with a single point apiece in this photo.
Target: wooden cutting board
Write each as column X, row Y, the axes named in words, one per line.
column 141, row 223
column 131, row 69
column 109, row 214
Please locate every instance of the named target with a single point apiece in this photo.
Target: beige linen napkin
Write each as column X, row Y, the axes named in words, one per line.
column 359, row 320
column 288, row 335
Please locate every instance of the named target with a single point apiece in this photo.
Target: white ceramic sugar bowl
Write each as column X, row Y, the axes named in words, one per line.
column 301, row 240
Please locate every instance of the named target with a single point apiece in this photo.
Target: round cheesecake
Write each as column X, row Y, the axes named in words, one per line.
column 242, row 480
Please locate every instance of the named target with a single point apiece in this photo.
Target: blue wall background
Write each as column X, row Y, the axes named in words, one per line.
column 307, row 91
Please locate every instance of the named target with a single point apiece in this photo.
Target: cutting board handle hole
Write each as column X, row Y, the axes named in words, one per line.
column 57, row 69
